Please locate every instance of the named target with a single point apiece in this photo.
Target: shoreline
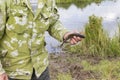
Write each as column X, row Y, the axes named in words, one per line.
column 79, row 67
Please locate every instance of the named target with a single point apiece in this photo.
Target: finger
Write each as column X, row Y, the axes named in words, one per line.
column 75, row 38
column 71, row 42
column 74, row 41
column 6, row 78
column 79, row 39
column 2, row 77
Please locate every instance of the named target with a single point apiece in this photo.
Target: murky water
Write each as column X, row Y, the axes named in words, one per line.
column 75, row 16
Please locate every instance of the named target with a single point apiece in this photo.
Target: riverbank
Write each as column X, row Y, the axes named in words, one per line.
column 97, row 57
column 70, row 66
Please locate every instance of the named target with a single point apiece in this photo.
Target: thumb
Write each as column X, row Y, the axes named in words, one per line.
column 6, row 77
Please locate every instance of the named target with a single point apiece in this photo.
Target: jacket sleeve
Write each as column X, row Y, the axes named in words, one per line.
column 56, row 29
column 2, row 17
column 2, row 26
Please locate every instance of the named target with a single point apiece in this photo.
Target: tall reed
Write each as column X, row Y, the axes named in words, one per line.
column 97, row 41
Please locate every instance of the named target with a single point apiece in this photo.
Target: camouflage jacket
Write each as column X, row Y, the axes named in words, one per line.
column 22, row 45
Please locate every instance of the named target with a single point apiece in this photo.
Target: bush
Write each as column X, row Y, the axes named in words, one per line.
column 97, row 41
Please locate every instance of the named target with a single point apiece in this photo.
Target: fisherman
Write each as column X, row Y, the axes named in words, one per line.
column 22, row 48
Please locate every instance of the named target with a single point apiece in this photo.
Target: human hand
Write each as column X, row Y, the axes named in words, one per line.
column 3, row 76
column 74, row 37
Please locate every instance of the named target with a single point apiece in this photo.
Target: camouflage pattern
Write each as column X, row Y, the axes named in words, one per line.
column 22, row 45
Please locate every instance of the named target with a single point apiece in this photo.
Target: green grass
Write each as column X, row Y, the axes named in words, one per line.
column 70, row 1
column 64, row 77
column 97, row 41
column 69, row 66
column 107, row 70
column 79, row 3
column 96, row 38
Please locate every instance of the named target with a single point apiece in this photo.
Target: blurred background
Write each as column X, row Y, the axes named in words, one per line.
column 97, row 57
column 74, row 15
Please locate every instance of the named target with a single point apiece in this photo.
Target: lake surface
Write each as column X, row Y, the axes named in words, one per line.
column 75, row 16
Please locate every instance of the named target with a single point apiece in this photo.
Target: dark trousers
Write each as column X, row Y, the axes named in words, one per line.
column 43, row 76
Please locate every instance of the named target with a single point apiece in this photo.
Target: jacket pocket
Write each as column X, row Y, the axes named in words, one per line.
column 18, row 19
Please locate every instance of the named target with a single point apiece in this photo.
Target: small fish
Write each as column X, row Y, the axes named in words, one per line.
column 71, row 36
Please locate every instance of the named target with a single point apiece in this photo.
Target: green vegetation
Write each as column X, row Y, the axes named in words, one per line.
column 97, row 41
column 64, row 77
column 70, row 1
column 69, row 66
column 105, row 69
column 97, row 57
column 79, row 3
column 65, row 1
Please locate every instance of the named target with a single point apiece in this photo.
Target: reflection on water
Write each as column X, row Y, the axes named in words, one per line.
column 75, row 16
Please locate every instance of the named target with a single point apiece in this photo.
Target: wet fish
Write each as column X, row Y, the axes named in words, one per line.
column 71, row 36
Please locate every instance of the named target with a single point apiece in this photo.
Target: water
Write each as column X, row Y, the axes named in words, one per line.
column 75, row 16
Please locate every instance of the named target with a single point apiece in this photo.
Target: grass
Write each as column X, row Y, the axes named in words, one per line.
column 64, row 77
column 97, row 57
column 79, row 3
column 107, row 70
column 69, row 66
column 70, row 1
column 96, row 38
column 97, row 41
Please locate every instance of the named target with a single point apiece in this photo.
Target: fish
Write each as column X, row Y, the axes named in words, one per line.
column 71, row 36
